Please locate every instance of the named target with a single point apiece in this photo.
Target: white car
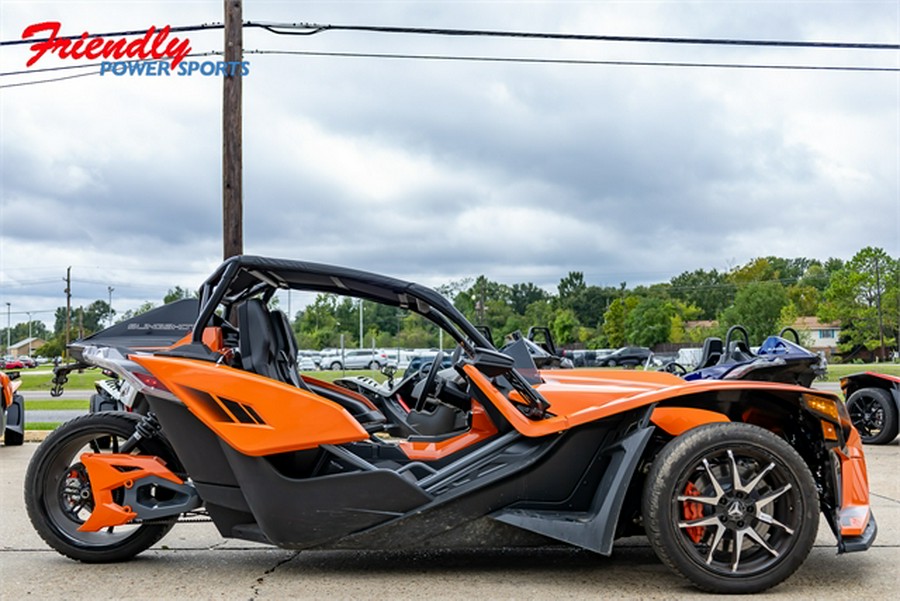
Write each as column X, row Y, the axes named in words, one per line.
column 355, row 359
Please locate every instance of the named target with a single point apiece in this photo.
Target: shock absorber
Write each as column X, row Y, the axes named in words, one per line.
column 146, row 429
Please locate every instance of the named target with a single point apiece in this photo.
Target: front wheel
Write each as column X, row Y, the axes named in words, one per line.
column 58, row 493
column 731, row 507
column 874, row 414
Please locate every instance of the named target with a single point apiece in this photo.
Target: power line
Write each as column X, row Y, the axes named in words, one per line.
column 129, row 33
column 308, row 29
column 314, row 28
column 554, row 61
column 51, row 80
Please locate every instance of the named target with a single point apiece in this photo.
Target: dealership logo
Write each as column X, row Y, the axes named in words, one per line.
column 155, row 53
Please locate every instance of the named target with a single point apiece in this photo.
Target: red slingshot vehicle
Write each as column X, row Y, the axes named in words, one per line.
column 726, row 479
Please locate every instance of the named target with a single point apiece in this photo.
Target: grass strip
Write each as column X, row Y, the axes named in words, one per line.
column 42, row 425
column 67, row 405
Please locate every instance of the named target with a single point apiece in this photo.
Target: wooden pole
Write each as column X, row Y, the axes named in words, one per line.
column 232, row 193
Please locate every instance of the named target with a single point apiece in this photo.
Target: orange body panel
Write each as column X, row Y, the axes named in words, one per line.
column 584, row 396
column 854, row 512
column 677, row 420
column 108, row 472
column 253, row 414
column 8, row 388
column 482, row 429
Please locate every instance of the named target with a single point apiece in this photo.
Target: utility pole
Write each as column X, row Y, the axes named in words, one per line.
column 28, row 313
column 68, row 292
column 8, row 328
column 878, row 301
column 232, row 194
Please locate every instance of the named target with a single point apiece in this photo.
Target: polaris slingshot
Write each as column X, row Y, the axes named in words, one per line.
column 727, row 479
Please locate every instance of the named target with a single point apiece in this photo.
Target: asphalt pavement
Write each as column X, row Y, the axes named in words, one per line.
column 194, row 562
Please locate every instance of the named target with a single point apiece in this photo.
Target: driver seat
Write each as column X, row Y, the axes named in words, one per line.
column 711, row 353
column 267, row 345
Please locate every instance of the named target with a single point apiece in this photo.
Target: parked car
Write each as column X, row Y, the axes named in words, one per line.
column 355, row 359
column 13, row 363
column 627, row 356
column 422, row 361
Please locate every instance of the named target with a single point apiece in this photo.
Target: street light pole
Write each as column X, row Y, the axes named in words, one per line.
column 28, row 313
column 8, row 329
column 110, row 289
column 360, row 323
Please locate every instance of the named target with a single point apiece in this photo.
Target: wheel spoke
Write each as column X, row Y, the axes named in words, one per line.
column 767, row 519
column 717, row 539
column 762, row 502
column 750, row 532
column 748, row 488
column 707, row 521
column 735, row 475
column 715, row 483
column 704, row 500
column 738, row 543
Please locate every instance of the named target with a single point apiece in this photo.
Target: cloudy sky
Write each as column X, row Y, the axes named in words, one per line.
column 439, row 170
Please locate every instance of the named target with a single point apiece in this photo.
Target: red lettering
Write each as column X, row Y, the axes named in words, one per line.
column 92, row 50
column 115, row 49
column 151, row 44
column 40, row 48
column 177, row 50
column 76, row 47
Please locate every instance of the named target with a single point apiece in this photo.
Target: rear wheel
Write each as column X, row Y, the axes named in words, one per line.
column 58, row 493
column 874, row 414
column 375, row 365
column 335, row 366
column 731, row 507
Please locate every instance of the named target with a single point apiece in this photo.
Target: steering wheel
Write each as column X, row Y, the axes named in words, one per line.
column 675, row 368
column 429, row 380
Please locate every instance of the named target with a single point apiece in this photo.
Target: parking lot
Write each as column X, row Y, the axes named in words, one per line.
column 193, row 561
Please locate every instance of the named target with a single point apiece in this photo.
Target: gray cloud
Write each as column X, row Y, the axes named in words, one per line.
column 442, row 170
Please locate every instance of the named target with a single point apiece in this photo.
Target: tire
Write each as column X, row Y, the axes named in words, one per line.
column 57, row 516
column 611, row 363
column 375, row 365
column 335, row 366
column 776, row 484
column 874, row 415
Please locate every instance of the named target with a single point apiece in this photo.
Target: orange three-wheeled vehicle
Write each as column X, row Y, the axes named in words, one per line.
column 727, row 479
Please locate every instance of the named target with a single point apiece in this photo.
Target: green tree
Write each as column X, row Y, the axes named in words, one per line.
column 650, row 321
column 522, row 295
column 565, row 327
column 757, row 306
column 178, row 293
column 863, row 297
column 710, row 291
column 146, row 306
column 615, row 318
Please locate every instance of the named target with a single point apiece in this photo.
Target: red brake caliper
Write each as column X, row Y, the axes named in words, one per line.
column 693, row 511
